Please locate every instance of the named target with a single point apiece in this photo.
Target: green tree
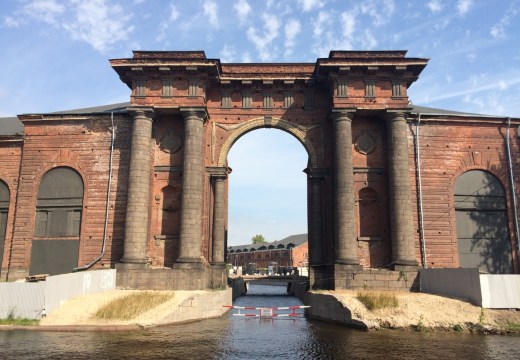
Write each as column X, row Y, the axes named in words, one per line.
column 258, row 239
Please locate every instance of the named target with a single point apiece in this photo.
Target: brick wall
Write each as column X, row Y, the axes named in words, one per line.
column 10, row 153
column 83, row 144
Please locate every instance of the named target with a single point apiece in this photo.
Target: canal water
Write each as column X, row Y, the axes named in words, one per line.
column 239, row 337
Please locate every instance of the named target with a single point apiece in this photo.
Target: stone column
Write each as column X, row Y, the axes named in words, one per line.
column 345, row 214
column 316, row 222
column 138, row 193
column 218, row 219
column 193, row 170
column 401, row 212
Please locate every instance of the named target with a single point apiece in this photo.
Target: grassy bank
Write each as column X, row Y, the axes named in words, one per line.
column 131, row 306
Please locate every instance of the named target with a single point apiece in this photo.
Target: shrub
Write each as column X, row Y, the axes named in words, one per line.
column 378, row 300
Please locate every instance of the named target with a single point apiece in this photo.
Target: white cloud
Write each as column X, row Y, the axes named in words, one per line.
column 264, row 40
column 98, row 23
column 243, row 9
column 292, row 29
column 368, row 40
column 44, row 10
column 211, row 11
column 502, row 85
column 11, row 22
column 381, row 12
column 348, row 21
column 139, row 1
column 499, row 30
column 463, row 6
column 434, row 6
column 308, row 5
column 165, row 24
column 323, row 19
column 174, row 13
column 326, row 37
column 246, row 57
column 227, row 54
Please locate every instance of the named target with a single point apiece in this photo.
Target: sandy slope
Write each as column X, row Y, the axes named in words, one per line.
column 414, row 309
column 80, row 310
column 430, row 311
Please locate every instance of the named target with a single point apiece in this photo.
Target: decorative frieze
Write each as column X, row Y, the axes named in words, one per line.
column 140, row 87
column 288, row 99
column 167, row 88
column 247, row 100
column 268, row 100
column 226, row 99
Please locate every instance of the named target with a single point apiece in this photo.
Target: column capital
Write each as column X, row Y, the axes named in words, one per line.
column 342, row 115
column 395, row 115
column 199, row 113
column 146, row 112
column 218, row 172
column 317, row 173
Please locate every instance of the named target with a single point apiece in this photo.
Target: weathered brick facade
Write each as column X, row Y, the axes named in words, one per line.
column 168, row 200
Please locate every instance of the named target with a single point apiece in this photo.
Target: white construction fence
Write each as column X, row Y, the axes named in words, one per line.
column 33, row 299
column 485, row 290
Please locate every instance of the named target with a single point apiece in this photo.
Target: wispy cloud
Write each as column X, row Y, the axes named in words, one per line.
column 263, row 39
column 98, row 23
column 463, row 6
column 434, row 5
column 499, row 29
column 292, row 29
column 164, row 25
column 243, row 9
column 308, row 5
column 211, row 11
column 227, row 54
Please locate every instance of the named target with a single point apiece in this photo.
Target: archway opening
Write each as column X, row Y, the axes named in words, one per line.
column 268, row 197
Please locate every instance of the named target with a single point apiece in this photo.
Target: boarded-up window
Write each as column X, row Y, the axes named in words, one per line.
column 4, row 207
column 58, row 222
column 482, row 226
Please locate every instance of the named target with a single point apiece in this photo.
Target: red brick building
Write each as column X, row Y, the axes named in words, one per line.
column 290, row 252
column 389, row 184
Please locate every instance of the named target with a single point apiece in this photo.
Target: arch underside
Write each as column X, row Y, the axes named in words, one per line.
column 299, row 132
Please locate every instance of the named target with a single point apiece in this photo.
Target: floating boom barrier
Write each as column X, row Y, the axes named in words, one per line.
column 268, row 312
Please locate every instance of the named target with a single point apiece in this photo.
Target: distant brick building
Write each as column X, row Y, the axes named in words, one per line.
column 290, row 252
column 389, row 184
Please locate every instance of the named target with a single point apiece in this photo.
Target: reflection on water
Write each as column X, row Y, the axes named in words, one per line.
column 233, row 337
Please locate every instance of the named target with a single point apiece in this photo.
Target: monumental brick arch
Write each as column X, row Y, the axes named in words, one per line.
column 390, row 185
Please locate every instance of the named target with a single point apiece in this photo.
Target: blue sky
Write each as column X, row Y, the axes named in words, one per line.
column 55, row 57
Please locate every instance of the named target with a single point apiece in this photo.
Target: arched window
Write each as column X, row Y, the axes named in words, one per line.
column 4, row 207
column 482, row 226
column 58, row 221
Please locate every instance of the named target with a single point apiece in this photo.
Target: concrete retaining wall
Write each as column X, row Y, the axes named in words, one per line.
column 200, row 306
column 376, row 279
column 327, row 308
column 172, row 279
